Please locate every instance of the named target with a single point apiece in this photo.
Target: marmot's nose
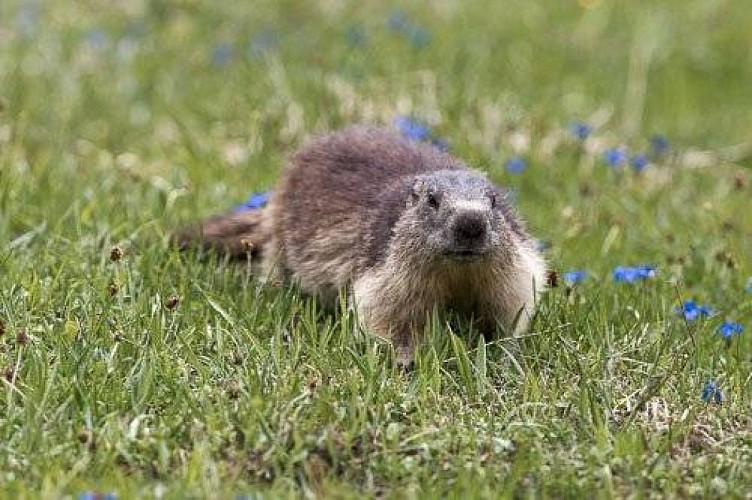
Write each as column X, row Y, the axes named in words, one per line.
column 470, row 228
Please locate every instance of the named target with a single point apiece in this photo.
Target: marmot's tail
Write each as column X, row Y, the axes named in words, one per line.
column 236, row 234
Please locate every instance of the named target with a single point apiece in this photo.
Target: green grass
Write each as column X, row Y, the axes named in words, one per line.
column 116, row 126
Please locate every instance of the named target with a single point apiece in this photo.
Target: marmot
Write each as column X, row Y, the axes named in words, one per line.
column 401, row 225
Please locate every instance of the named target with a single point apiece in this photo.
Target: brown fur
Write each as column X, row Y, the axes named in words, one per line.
column 349, row 212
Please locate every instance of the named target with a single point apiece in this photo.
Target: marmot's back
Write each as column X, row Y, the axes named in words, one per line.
column 334, row 190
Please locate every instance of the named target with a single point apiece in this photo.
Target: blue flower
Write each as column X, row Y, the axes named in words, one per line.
column 261, row 44
column 692, row 311
column 412, row 129
column 580, row 130
column 712, row 393
column 749, row 286
column 728, row 329
column 27, row 18
column 419, row 37
column 415, row 130
column 221, row 54
column 659, row 145
column 254, row 202
column 91, row 495
column 615, row 157
column 516, row 165
column 96, row 39
column 416, row 35
column 356, row 36
column 542, row 245
column 397, row 21
column 574, row 277
column 440, row 144
column 627, row 274
column 639, row 162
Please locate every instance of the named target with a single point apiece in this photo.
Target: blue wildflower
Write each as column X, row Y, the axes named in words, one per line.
column 397, row 21
column 91, row 495
column 692, row 311
column 27, row 19
column 659, row 145
column 261, row 44
column 542, row 245
column 712, row 393
column 516, row 165
column 749, row 286
column 574, row 277
column 580, row 130
column 440, row 144
column 416, row 35
column 639, row 162
column 254, row 202
column 419, row 37
column 627, row 274
column 356, row 36
column 615, row 157
column 728, row 329
column 415, row 130
column 221, row 54
column 412, row 129
column 96, row 39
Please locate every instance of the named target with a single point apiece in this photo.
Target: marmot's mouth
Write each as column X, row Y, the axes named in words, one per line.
column 465, row 255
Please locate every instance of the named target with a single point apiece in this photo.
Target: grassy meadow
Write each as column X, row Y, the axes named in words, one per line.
column 622, row 128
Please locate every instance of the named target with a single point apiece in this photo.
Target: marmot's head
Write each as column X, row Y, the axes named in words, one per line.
column 459, row 216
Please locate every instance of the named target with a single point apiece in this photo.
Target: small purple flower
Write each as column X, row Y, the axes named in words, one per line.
column 659, row 145
column 692, row 311
column 711, row 392
column 516, row 165
column 92, row 495
column 615, row 157
column 639, row 162
column 728, row 329
column 254, row 202
column 412, row 129
column 630, row 274
column 580, row 130
column 573, row 277
column 221, row 54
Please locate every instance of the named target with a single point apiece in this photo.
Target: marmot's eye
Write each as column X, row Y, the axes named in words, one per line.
column 433, row 201
column 493, row 199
